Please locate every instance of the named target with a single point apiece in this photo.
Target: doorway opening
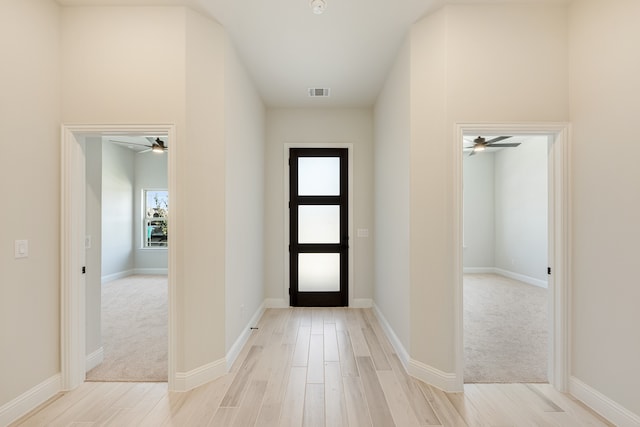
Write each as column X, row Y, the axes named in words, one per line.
column 505, row 283
column 126, row 247
column 77, row 261
column 557, row 259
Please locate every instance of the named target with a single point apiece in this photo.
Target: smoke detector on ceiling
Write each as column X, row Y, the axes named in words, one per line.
column 313, row 92
column 318, row 6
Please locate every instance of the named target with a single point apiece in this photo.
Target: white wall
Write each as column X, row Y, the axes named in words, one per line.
column 118, row 182
column 244, row 198
column 479, row 211
column 511, row 67
column 174, row 61
column 522, row 209
column 150, row 171
column 505, row 211
column 201, row 190
column 317, row 125
column 431, row 269
column 133, row 75
column 391, row 183
column 93, row 255
column 30, row 193
column 605, row 66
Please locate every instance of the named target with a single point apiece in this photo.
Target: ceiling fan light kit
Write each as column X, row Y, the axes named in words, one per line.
column 158, row 146
column 318, row 6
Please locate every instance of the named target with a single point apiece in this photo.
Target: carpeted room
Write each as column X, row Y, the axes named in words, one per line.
column 506, row 299
column 126, row 249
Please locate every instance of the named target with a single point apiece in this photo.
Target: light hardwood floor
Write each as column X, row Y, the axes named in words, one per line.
column 314, row 367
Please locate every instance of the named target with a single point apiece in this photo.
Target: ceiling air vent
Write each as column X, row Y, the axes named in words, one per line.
column 318, row 92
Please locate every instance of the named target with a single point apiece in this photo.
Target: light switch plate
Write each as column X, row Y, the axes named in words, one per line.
column 21, row 248
column 363, row 232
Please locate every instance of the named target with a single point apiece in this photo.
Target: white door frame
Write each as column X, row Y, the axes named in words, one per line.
column 559, row 240
column 72, row 282
column 287, row 279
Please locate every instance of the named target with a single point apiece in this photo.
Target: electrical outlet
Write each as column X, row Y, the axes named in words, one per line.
column 363, row 232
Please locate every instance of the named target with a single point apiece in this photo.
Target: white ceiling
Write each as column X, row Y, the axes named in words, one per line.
column 287, row 49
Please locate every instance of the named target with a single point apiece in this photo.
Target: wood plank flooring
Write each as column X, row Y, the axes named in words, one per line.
column 314, row 367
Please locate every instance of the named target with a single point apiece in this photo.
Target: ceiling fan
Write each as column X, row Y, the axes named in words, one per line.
column 157, row 145
column 480, row 144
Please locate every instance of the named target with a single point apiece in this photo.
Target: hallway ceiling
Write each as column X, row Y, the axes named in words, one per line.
column 287, row 49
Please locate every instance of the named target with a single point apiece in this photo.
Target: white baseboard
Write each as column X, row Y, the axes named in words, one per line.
column 151, row 271
column 275, row 303
column 29, row 400
column 444, row 381
column 237, row 346
column 604, row 406
column 127, row 273
column 506, row 273
column 478, row 270
column 402, row 353
column 116, row 276
column 185, row 381
column 362, row 303
column 94, row 359
column 522, row 278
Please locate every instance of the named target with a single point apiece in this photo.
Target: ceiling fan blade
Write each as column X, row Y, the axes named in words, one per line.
column 144, row 151
column 510, row 144
column 472, row 153
column 128, row 143
column 497, row 139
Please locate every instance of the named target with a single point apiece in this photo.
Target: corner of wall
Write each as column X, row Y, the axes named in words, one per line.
column 445, row 381
column 185, row 381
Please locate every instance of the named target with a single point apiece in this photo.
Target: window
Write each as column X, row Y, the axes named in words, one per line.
column 156, row 211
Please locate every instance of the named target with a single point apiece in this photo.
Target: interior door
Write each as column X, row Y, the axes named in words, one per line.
column 319, row 239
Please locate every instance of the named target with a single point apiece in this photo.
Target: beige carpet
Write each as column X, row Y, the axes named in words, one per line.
column 505, row 330
column 134, row 330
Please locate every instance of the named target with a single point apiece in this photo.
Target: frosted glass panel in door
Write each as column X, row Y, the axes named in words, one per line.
column 319, row 224
column 319, row 176
column 318, row 272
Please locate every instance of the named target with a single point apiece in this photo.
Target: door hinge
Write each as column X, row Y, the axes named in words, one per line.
column 549, row 271
column 84, row 270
